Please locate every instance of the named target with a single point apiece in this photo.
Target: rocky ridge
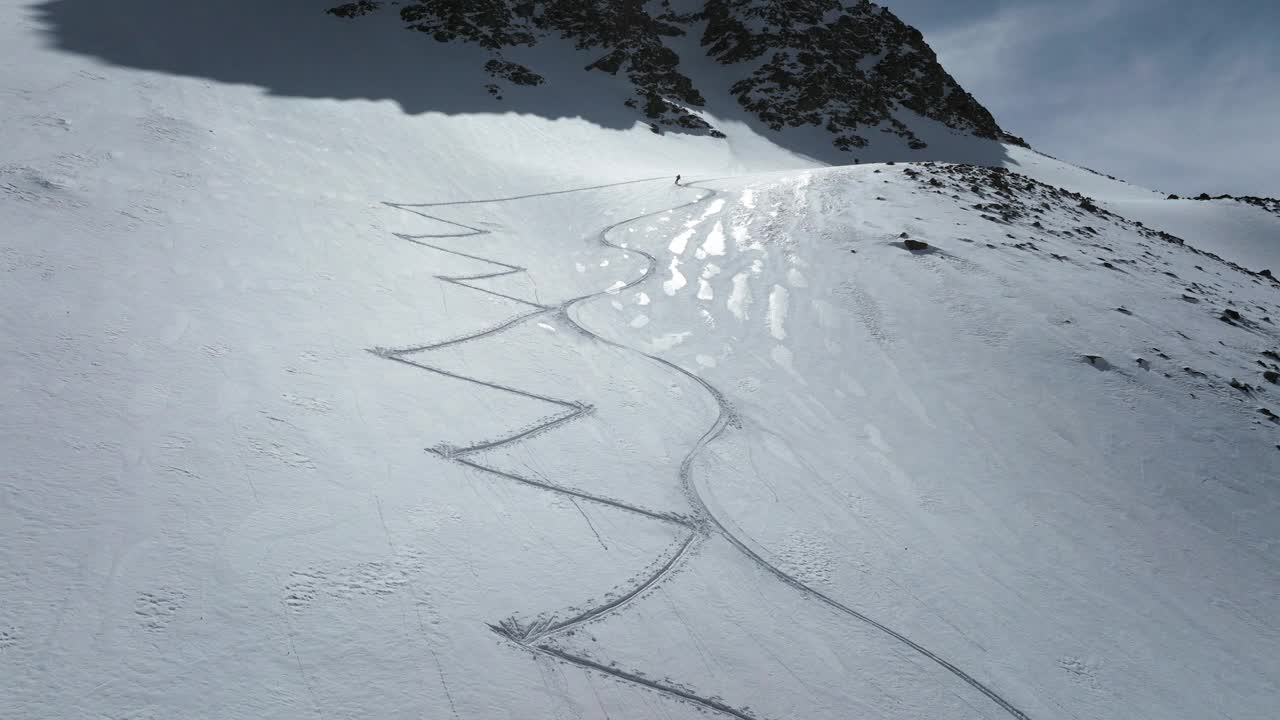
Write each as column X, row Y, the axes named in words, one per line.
column 851, row 68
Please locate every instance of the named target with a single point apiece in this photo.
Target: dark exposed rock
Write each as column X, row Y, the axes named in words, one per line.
column 838, row 65
column 1272, row 377
column 1097, row 361
column 1269, row 204
column 354, row 9
column 847, row 67
column 915, row 245
column 515, row 73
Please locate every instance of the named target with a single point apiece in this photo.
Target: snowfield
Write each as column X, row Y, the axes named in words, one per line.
column 330, row 407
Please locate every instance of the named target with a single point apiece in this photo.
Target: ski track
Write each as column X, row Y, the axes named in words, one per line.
column 700, row 527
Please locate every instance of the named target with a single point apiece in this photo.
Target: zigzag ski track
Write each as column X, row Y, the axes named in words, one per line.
column 699, row 527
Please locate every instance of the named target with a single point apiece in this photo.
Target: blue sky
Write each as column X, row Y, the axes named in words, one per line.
column 1179, row 95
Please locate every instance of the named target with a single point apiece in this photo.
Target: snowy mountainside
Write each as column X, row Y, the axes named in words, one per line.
column 334, row 392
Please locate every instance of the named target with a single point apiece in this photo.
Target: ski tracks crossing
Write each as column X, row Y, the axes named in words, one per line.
column 694, row 529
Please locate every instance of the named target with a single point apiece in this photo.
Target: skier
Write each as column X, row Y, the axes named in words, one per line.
column 677, row 179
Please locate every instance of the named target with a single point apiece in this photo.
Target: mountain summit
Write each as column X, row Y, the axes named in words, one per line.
column 851, row 68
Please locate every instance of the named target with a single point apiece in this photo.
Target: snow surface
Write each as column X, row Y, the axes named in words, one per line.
column 1241, row 232
column 290, row 432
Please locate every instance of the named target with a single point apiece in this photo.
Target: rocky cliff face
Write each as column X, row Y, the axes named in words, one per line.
column 849, row 67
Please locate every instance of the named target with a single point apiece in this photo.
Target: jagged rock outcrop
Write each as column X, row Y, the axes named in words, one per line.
column 842, row 66
column 849, row 67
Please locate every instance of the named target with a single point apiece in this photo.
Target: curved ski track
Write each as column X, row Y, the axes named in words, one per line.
column 702, row 525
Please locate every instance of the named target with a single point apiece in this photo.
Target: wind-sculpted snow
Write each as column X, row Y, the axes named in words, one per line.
column 695, row 524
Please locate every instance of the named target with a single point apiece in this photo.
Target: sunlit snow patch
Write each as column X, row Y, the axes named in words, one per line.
column 778, row 312
column 677, row 279
column 680, row 242
column 668, row 341
column 740, row 296
column 714, row 244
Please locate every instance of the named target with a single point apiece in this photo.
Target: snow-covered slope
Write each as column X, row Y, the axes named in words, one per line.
column 1246, row 234
column 337, row 407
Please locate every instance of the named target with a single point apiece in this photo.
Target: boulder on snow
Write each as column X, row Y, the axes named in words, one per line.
column 1272, row 377
column 915, row 245
column 1097, row 361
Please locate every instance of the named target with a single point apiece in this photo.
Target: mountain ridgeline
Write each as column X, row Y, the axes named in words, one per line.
column 852, row 68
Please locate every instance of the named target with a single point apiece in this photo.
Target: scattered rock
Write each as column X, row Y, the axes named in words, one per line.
column 1270, row 416
column 1229, row 316
column 1143, row 363
column 904, row 236
column 1124, row 311
column 915, row 245
column 1241, row 386
column 1272, row 377
column 354, row 9
column 1097, row 361
column 1265, row 273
